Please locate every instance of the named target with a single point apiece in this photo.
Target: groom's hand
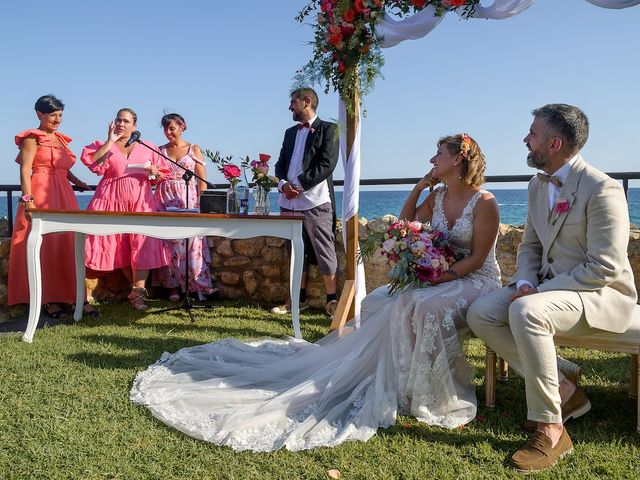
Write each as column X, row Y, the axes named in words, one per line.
column 523, row 291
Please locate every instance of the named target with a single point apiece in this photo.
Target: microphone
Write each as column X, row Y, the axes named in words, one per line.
column 135, row 136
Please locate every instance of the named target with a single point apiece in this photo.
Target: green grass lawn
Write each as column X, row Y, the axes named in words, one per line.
column 65, row 411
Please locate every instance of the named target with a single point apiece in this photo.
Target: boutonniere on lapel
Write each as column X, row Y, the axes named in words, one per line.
column 561, row 206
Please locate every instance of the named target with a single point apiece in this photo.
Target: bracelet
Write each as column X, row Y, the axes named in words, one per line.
column 25, row 198
column 453, row 273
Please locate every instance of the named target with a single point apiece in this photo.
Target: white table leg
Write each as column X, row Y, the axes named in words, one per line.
column 80, row 273
column 295, row 274
column 34, row 274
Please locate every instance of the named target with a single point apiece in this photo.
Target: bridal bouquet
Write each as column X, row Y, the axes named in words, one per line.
column 417, row 253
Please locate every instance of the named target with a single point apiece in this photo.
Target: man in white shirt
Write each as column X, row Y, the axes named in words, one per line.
column 305, row 166
column 572, row 278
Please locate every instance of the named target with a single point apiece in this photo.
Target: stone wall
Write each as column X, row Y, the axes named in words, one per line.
column 257, row 268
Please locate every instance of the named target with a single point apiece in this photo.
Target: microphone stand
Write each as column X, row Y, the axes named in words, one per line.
column 187, row 303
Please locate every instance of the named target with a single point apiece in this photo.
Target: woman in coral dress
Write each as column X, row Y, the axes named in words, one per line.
column 125, row 187
column 45, row 162
column 172, row 194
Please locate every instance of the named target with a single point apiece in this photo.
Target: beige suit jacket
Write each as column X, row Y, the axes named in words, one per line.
column 583, row 249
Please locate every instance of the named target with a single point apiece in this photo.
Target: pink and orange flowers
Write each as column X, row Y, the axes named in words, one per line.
column 418, row 254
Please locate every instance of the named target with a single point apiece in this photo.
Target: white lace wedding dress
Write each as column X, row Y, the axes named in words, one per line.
column 405, row 358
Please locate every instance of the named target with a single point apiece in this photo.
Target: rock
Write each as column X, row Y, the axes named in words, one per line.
column 381, row 224
column 237, row 261
column 270, row 270
column 229, row 277
column 274, row 255
column 250, row 281
column 250, row 247
column 275, row 242
column 225, row 249
column 231, row 292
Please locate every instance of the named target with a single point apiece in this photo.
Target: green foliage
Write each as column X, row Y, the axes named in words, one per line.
column 346, row 53
column 65, row 411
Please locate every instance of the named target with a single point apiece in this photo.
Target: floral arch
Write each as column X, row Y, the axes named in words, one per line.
column 349, row 36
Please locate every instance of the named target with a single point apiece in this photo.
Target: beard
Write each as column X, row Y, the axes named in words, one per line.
column 296, row 117
column 537, row 160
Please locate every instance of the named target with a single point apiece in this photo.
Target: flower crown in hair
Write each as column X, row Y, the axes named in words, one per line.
column 465, row 145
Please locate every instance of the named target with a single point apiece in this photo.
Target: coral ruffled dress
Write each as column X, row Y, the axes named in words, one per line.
column 124, row 187
column 50, row 189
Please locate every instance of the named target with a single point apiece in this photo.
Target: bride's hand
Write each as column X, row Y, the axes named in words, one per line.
column 428, row 181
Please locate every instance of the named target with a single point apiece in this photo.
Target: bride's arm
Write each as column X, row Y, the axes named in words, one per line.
column 486, row 219
column 423, row 212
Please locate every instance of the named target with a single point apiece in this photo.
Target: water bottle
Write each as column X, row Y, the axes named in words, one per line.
column 243, row 195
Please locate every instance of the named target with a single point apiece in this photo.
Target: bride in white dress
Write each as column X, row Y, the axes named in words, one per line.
column 406, row 357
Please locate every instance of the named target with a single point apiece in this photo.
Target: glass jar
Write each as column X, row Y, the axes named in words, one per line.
column 233, row 200
column 263, row 205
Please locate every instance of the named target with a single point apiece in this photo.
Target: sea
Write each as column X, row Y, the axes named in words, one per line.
column 374, row 204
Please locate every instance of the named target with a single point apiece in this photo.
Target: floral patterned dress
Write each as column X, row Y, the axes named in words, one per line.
column 172, row 194
column 406, row 357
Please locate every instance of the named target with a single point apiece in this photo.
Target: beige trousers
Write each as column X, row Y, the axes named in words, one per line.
column 521, row 332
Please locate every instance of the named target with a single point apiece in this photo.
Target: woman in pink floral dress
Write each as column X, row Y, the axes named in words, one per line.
column 172, row 194
column 125, row 187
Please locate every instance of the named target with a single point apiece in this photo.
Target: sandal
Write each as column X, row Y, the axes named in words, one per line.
column 89, row 310
column 55, row 311
column 137, row 297
column 174, row 297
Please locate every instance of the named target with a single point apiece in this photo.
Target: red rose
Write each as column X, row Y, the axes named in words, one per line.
column 359, row 6
column 455, row 3
column 341, row 67
column 230, row 171
column 418, row 3
column 347, row 30
column 335, row 39
column 264, row 157
column 349, row 15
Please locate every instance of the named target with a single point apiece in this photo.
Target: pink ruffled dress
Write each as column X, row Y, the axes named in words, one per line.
column 124, row 187
column 172, row 192
column 50, row 189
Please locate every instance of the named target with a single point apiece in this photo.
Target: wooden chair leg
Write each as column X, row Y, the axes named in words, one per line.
column 503, row 370
column 490, row 378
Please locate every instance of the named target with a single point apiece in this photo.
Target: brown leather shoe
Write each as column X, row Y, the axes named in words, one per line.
column 577, row 405
column 538, row 454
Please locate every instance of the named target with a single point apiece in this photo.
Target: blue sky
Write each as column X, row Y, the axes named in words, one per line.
column 227, row 68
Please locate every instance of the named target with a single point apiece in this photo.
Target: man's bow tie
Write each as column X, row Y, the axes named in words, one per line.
column 544, row 178
column 304, row 125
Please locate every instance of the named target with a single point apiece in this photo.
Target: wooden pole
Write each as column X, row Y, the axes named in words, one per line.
column 347, row 306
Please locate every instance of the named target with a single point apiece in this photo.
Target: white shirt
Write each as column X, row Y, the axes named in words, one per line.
column 553, row 192
column 307, row 199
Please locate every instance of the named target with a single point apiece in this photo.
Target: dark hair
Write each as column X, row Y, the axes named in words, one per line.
column 306, row 92
column 129, row 110
column 173, row 117
column 568, row 122
column 48, row 104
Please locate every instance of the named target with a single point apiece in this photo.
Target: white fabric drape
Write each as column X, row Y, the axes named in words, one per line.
column 350, row 195
column 614, row 3
column 390, row 32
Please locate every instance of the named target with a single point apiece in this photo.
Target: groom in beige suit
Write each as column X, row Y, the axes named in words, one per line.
column 572, row 278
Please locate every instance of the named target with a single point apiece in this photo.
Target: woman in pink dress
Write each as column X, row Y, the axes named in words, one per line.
column 125, row 187
column 172, row 194
column 45, row 162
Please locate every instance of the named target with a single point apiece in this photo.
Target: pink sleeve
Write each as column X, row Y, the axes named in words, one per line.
column 87, row 158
